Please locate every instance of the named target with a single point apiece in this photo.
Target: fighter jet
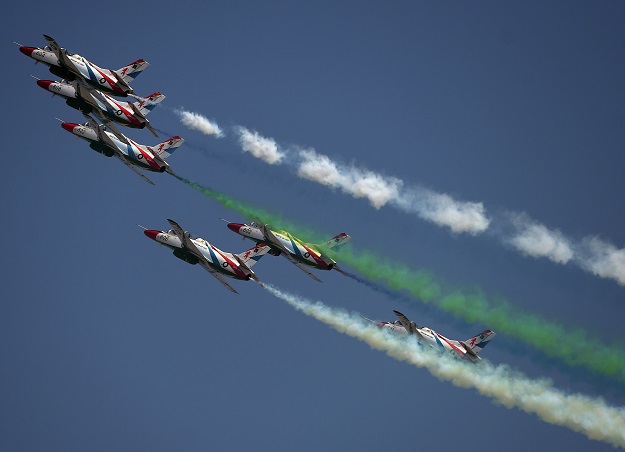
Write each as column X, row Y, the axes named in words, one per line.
column 286, row 244
column 218, row 263
column 105, row 107
column 132, row 154
column 70, row 66
column 466, row 350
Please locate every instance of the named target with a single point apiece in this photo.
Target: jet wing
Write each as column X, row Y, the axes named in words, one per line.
column 60, row 54
column 185, row 239
column 142, row 116
column 208, row 268
column 190, row 246
column 271, row 238
column 85, row 94
column 301, row 267
column 132, row 167
column 109, row 124
column 408, row 324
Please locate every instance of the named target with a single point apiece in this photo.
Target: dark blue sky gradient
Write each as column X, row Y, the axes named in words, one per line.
column 108, row 342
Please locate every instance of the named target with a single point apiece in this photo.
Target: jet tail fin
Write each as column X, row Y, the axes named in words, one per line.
column 130, row 72
column 167, row 147
column 148, row 103
column 475, row 344
column 253, row 255
column 336, row 242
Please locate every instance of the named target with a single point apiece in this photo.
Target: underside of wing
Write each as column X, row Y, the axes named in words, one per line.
column 132, row 167
column 300, row 266
column 213, row 272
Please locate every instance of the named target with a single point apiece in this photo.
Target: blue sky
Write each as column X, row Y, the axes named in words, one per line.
column 109, row 342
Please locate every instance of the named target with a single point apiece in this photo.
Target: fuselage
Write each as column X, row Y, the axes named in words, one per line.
column 118, row 111
column 431, row 338
column 101, row 79
column 223, row 262
column 134, row 153
column 304, row 253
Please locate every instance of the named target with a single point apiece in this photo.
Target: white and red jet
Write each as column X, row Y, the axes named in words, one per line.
column 133, row 155
column 295, row 250
column 466, row 350
column 218, row 263
column 105, row 107
column 70, row 66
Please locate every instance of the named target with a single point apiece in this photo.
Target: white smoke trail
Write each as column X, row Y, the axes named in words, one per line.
column 437, row 208
column 200, row 123
column 602, row 259
column 592, row 417
column 356, row 182
column 529, row 237
column 260, row 147
column 443, row 210
column 534, row 239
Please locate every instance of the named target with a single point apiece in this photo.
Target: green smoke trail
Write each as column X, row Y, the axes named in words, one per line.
column 573, row 346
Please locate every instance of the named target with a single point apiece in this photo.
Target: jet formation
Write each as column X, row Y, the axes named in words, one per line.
column 92, row 90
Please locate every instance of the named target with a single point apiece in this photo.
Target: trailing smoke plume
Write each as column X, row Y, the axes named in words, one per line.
column 356, row 182
column 592, row 417
column 198, row 122
column 602, row 259
column 443, row 210
column 528, row 236
column 260, row 147
column 534, row 239
column 572, row 346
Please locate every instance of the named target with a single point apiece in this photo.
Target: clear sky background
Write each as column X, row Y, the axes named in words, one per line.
column 107, row 342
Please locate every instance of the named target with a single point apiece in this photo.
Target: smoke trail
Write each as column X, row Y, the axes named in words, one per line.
column 592, row 417
column 198, row 122
column 443, row 210
column 380, row 190
column 534, row 239
column 530, row 237
column 573, row 347
column 260, row 147
column 602, row 259
column 358, row 183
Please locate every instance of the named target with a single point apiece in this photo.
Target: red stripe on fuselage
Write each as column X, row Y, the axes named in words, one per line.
column 316, row 257
column 233, row 266
column 108, row 79
column 462, row 352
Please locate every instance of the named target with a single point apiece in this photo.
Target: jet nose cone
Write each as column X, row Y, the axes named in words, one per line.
column 152, row 233
column 28, row 51
column 69, row 126
column 45, row 84
column 234, row 227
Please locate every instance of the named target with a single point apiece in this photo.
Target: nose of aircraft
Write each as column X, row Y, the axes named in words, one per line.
column 28, row 51
column 69, row 126
column 45, row 84
column 234, row 227
column 152, row 233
